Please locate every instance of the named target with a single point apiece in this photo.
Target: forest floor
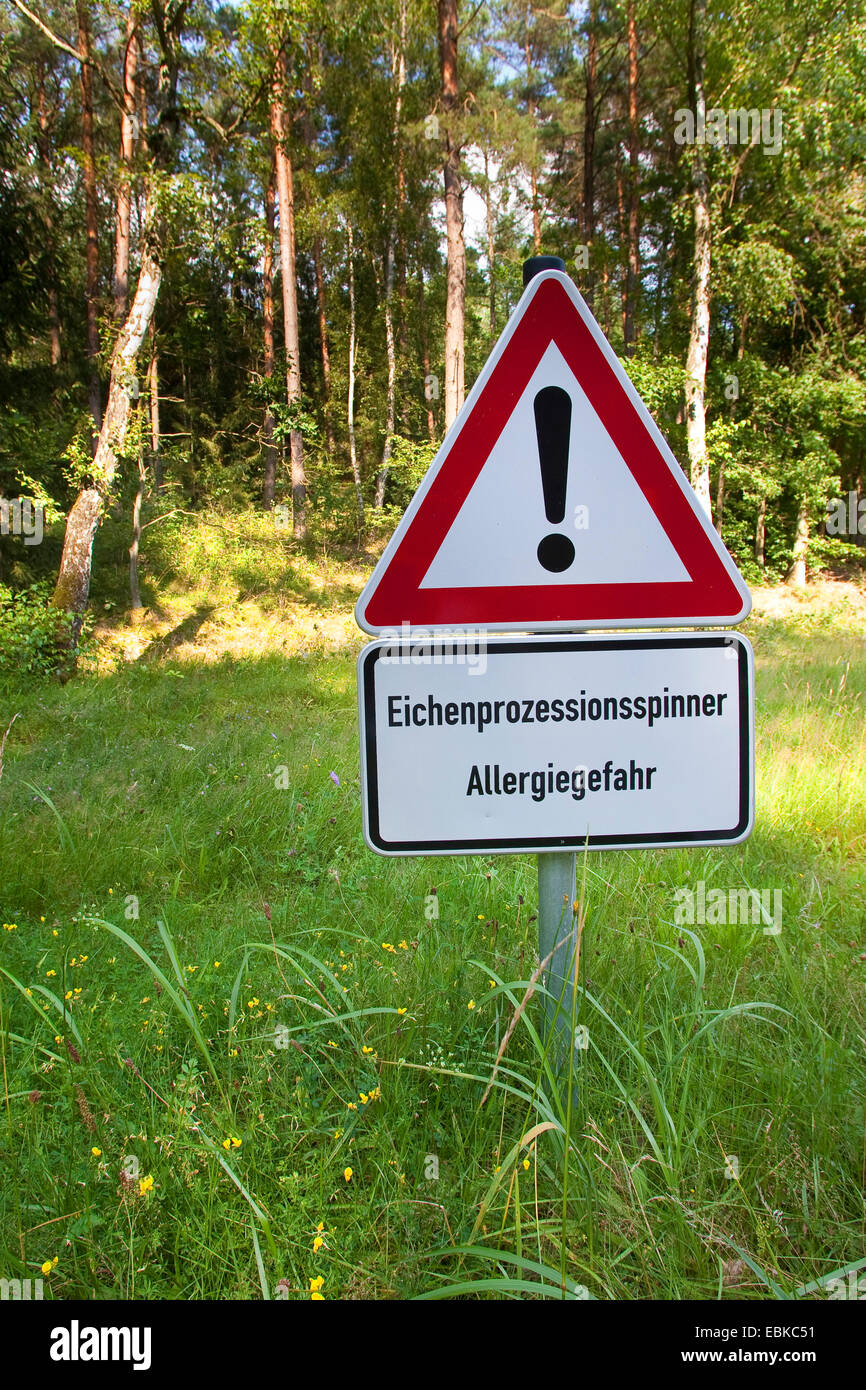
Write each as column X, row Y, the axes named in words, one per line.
column 234, row 592
column 242, row 1054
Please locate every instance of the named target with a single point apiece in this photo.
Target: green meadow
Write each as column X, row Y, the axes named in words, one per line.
column 244, row 1057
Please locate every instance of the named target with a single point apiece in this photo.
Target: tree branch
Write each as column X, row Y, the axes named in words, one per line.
column 82, row 58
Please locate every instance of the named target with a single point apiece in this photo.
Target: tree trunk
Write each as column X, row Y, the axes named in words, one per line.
column 318, row 259
column 633, row 271
column 153, row 386
column 45, row 160
column 398, row 67
column 491, row 282
column 796, row 575
column 425, row 353
column 589, row 117
column 455, row 302
column 536, row 215
column 285, row 193
column 323, row 339
column 621, row 226
column 91, row 215
column 270, row 448
column 533, row 115
column 124, row 191
column 350, row 399
column 760, row 531
column 382, row 476
column 699, row 331
column 73, row 581
column 134, row 591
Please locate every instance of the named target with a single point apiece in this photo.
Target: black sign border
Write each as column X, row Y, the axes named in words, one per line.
column 504, row 646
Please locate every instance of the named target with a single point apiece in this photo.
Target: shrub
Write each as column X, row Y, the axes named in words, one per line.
column 33, row 634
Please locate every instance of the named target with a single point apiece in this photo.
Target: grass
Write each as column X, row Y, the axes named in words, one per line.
column 200, row 950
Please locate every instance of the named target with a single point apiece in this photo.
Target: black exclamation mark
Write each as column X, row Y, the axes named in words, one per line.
column 553, row 429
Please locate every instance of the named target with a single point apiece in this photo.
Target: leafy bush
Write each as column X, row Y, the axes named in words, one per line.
column 33, row 633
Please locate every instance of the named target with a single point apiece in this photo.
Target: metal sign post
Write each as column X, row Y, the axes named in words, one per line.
column 557, row 888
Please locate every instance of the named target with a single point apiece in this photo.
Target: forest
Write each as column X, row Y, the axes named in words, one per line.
column 253, row 255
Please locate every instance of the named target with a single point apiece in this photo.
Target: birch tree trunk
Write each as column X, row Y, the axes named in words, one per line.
column 73, row 581
column 796, row 575
column 318, row 260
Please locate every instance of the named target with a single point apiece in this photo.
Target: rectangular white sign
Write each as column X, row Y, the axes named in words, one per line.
column 535, row 743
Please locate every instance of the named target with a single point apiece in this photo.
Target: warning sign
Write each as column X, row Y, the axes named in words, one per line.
column 554, row 503
column 542, row 743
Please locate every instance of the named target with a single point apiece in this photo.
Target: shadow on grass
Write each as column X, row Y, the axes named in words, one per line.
column 272, row 592
column 184, row 632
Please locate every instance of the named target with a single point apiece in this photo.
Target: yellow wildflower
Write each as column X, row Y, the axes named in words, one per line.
column 347, row 1174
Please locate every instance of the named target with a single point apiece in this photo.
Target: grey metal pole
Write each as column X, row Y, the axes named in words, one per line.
column 557, row 888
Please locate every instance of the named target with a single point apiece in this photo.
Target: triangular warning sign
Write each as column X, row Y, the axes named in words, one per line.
column 554, row 502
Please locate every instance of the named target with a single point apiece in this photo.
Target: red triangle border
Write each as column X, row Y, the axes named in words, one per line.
column 551, row 316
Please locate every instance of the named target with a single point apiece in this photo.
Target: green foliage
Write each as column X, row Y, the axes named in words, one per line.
column 33, row 633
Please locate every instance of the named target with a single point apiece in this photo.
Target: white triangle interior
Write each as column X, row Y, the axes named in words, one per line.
column 493, row 541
